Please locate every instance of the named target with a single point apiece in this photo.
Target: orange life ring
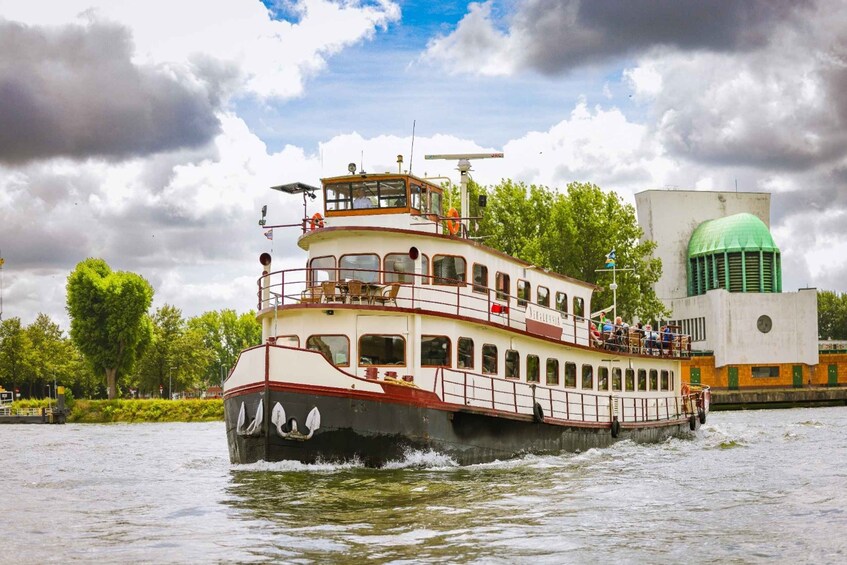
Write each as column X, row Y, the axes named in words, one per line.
column 317, row 221
column 453, row 225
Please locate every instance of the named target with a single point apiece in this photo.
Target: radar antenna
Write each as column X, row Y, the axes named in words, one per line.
column 464, row 166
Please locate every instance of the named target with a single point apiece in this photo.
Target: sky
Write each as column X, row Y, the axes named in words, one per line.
column 148, row 133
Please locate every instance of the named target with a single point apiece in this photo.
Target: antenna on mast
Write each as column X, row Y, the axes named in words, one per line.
column 412, row 152
column 464, row 166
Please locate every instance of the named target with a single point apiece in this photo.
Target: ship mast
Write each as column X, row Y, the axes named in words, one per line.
column 463, row 167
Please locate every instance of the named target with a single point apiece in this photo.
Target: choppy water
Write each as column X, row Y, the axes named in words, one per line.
column 764, row 486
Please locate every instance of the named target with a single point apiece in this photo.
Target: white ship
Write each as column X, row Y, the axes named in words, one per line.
column 402, row 332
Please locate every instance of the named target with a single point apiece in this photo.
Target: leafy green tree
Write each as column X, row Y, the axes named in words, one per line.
column 109, row 322
column 49, row 354
column 832, row 315
column 177, row 358
column 225, row 333
column 16, row 363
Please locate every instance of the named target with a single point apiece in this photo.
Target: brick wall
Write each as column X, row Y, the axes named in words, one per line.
column 814, row 375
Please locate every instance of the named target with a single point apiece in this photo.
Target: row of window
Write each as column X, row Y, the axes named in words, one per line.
column 387, row 193
column 446, row 270
column 390, row 350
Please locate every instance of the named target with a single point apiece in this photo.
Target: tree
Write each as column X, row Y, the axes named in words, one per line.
column 109, row 322
column 50, row 354
column 832, row 315
column 225, row 333
column 16, row 363
column 571, row 234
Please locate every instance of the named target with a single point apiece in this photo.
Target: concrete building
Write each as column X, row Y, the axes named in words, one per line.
column 722, row 281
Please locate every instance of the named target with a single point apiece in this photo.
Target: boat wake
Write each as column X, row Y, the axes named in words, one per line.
column 414, row 459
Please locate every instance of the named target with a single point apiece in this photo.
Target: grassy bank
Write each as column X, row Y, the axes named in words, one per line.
column 154, row 410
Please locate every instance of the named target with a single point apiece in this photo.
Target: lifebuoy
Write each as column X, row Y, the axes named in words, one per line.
column 317, row 221
column 453, row 225
column 537, row 413
column 616, row 427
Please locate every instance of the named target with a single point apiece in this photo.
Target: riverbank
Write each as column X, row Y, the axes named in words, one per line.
column 778, row 398
column 141, row 410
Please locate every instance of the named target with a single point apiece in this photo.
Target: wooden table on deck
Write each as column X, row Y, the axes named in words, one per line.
column 369, row 291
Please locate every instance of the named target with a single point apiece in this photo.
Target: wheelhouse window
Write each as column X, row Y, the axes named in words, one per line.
column 392, row 193
column 587, row 377
column 603, row 378
column 398, row 267
column 480, row 278
column 336, row 348
column 665, row 382
column 552, row 371
column 629, row 381
column 464, row 359
column 359, row 195
column 489, row 359
column 642, row 379
column 570, row 375
column 578, row 307
column 338, row 197
column 524, row 290
column 288, row 340
column 321, row 269
column 654, row 379
column 533, row 369
column 435, row 203
column 448, row 270
column 415, row 191
column 543, row 295
column 435, row 351
column 616, row 378
column 363, row 267
column 503, row 286
column 562, row 302
column 513, row 364
column 377, row 349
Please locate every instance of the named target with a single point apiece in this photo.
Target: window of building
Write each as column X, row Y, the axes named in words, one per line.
column 570, row 375
column 480, row 278
column 562, row 302
column 587, row 377
column 489, row 359
column 616, row 378
column 543, row 295
column 578, row 307
column 665, row 382
column 435, row 351
column 533, row 369
column 378, row 349
column 513, row 364
column 642, row 379
column 288, row 340
column 336, row 348
column 524, row 291
column 552, row 372
column 603, row 378
column 503, row 286
column 363, row 267
column 321, row 269
column 399, row 267
column 465, row 353
column 448, row 270
column 765, row 372
column 629, row 382
column 654, row 379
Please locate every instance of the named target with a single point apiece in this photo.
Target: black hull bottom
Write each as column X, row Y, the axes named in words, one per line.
column 375, row 433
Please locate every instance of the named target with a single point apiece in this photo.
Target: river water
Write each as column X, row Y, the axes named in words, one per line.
column 750, row 487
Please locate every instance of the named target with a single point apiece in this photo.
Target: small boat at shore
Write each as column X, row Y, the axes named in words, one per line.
column 402, row 332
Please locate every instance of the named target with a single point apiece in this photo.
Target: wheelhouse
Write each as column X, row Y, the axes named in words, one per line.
column 367, row 194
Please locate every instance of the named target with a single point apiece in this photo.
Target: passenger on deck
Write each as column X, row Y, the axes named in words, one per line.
column 651, row 339
column 621, row 333
column 667, row 340
column 596, row 338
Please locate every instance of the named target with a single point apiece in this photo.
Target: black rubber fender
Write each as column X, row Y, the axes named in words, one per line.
column 616, row 427
column 702, row 414
column 537, row 413
column 692, row 422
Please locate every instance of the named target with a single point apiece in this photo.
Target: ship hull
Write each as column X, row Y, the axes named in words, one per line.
column 375, row 432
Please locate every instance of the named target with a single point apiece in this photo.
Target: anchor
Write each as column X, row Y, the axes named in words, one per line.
column 313, row 422
column 255, row 427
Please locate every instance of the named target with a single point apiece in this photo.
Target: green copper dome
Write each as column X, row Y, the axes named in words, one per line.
column 736, row 253
column 740, row 232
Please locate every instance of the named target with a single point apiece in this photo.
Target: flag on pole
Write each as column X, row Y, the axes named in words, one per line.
column 270, row 234
column 610, row 260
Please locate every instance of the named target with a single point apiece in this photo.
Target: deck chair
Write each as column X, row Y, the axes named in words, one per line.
column 330, row 291
column 311, row 295
column 634, row 340
column 355, row 292
column 388, row 294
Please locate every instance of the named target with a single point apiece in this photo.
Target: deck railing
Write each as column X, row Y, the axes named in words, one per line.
column 295, row 287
